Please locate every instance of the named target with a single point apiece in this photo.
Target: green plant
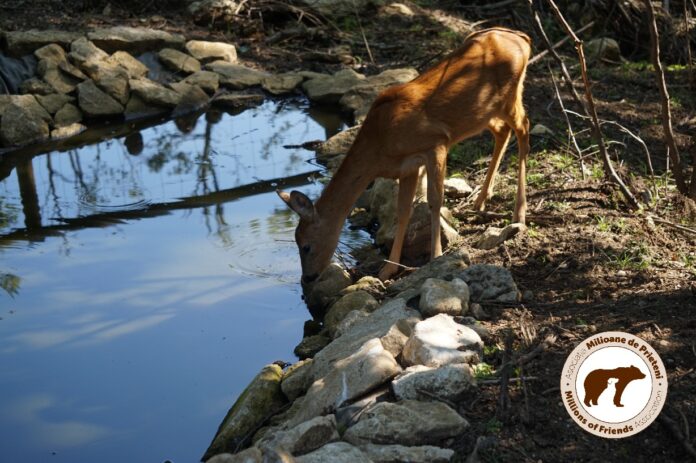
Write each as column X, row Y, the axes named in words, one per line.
column 494, row 426
column 634, row 257
column 491, row 350
column 603, row 224
column 483, row 370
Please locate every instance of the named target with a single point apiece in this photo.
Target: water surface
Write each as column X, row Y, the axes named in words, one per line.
column 146, row 281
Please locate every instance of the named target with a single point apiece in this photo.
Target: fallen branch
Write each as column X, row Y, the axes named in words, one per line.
column 673, row 225
column 540, row 55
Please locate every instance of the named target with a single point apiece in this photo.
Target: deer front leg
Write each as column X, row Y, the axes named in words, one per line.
column 501, row 132
column 522, row 134
column 435, row 167
column 407, row 190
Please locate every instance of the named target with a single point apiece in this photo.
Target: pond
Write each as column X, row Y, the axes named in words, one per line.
column 146, row 280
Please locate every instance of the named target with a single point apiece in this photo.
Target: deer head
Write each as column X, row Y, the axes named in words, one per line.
column 315, row 244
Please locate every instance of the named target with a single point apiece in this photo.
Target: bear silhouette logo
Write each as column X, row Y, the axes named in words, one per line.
column 598, row 380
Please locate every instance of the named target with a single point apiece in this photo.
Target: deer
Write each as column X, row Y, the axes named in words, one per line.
column 477, row 87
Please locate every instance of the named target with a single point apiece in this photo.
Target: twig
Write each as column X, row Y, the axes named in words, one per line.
column 570, row 127
column 362, row 32
column 668, row 134
column 673, row 225
column 540, row 55
column 405, row 267
column 596, row 129
column 504, row 398
column 490, row 382
column 436, row 397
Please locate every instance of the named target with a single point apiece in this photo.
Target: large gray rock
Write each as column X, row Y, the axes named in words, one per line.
column 250, row 455
column 206, row 52
column 193, row 99
column 53, row 75
column 303, row 438
column 324, row 290
column 278, row 84
column 439, row 341
column 36, row 86
column 450, row 382
column 23, row 122
column 83, row 51
column 440, row 296
column 207, row 80
column 357, row 300
column 311, row 345
column 392, row 324
column 297, row 379
column 67, row 115
column 338, row 145
column 444, row 268
column 110, row 77
column 490, row 283
column 95, row 103
column 236, row 76
column 603, row 49
column 138, row 108
column 54, row 102
column 370, row 366
column 236, row 103
column 493, row 236
column 178, row 61
column 350, row 320
column 134, row 39
column 360, row 97
column 20, row 43
column 330, row 89
column 154, row 93
column 402, row 453
column 260, row 399
column 133, row 67
column 56, row 56
column 337, row 452
column 408, row 422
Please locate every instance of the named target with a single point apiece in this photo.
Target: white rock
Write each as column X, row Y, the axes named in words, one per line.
column 457, row 188
column 449, row 382
column 439, row 340
column 440, row 296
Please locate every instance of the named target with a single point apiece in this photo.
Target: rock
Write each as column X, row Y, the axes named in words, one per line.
column 326, row 287
column 450, row 382
column 349, row 321
column 83, row 51
column 478, row 312
column 297, row 379
column 250, row 455
column 444, row 268
column 490, row 283
column 456, row 188
column 193, row 99
column 416, row 248
column 23, row 122
column 303, row 438
column 67, row 131
column 311, row 345
column 397, row 9
column 440, row 296
column 111, row 78
column 67, row 115
column 56, row 78
column 409, row 422
column 236, row 103
column 330, row 89
column 338, row 145
column 206, row 52
column 53, row 102
column 20, row 43
column 357, row 300
column 368, row 284
column 133, row 67
column 392, row 323
column 370, row 366
column 178, row 61
column 261, row 398
column 540, row 130
column 339, row 8
column 154, row 93
column 207, row 80
column 95, row 103
column 137, row 107
column 36, row 86
column 55, row 55
column 134, row 39
column 493, row 237
column 338, row 452
column 603, row 49
column 401, row 453
column 439, row 340
column 279, row 84
column 359, row 98
column 211, row 12
column 236, row 76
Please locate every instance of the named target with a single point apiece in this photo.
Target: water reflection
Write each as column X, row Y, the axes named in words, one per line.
column 145, row 280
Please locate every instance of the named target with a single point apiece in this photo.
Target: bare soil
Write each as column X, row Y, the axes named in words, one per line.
column 587, row 262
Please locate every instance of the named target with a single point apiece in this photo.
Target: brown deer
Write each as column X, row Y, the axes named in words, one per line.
column 477, row 87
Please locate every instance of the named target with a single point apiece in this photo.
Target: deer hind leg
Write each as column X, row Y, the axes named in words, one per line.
column 435, row 166
column 407, row 190
column 521, row 127
column 501, row 132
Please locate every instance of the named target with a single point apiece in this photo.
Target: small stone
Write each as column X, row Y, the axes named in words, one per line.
column 96, row 103
column 330, row 89
column 281, row 83
column 490, row 283
column 53, row 102
column 236, row 76
column 439, row 296
column 83, row 51
column 326, row 287
column 236, row 103
column 56, row 78
column 297, row 379
column 133, row 67
column 311, row 345
column 439, row 341
column 67, row 115
column 303, row 438
column 397, row 9
column 207, row 80
column 178, row 61
column 603, row 49
column 368, row 284
column 456, row 188
column 212, row 51
column 36, row 86
column 357, row 300
column 478, row 312
column 493, row 237
column 137, row 108
column 154, row 93
column 540, row 130
column 193, row 99
column 67, row 131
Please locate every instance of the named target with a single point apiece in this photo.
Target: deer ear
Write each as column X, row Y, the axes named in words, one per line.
column 298, row 202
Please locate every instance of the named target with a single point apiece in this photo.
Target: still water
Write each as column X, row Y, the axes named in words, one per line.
column 146, row 280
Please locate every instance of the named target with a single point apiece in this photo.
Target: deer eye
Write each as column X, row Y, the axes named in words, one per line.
column 305, row 249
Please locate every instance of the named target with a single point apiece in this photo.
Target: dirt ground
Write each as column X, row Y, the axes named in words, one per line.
column 587, row 263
